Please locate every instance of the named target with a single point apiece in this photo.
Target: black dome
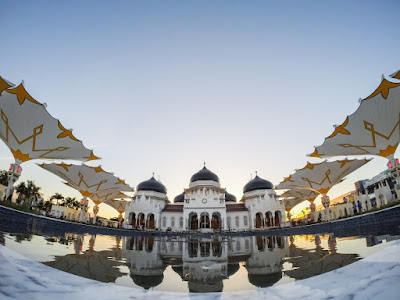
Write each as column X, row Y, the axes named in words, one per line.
column 147, row 282
column 230, row 197
column 179, row 198
column 257, row 184
column 204, row 174
column 152, row 185
column 232, row 269
column 264, row 280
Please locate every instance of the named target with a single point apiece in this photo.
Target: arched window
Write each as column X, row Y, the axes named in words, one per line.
column 228, row 221
column 164, row 221
column 173, row 222
column 237, row 221
column 245, row 221
column 247, row 244
column 181, row 222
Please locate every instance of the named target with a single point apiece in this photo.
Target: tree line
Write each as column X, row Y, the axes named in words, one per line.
column 28, row 193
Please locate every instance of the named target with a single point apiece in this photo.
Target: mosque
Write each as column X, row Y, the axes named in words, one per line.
column 205, row 206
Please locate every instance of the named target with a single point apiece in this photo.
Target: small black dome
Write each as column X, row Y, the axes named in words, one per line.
column 179, row 198
column 204, row 174
column 257, row 184
column 152, row 185
column 230, row 197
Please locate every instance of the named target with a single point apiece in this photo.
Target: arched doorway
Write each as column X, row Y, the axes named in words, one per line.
column 140, row 221
column 216, row 220
column 259, row 220
column 132, row 219
column 150, row 223
column 204, row 220
column 260, row 243
column 216, row 248
column 193, row 221
column 269, row 220
column 278, row 216
column 149, row 243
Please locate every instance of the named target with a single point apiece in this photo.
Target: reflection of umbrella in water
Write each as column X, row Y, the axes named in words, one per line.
column 308, row 263
column 101, row 265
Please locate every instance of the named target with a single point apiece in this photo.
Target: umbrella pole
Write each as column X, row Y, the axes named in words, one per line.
column 95, row 212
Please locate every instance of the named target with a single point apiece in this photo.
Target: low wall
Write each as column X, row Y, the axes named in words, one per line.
column 385, row 221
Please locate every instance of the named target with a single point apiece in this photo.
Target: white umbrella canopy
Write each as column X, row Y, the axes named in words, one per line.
column 321, row 177
column 291, row 202
column 304, row 194
column 118, row 205
column 30, row 132
column 104, row 195
column 373, row 129
column 86, row 179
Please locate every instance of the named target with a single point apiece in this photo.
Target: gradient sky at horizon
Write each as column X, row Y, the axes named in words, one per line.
column 161, row 86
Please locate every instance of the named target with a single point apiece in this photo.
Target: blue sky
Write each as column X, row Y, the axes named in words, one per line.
column 164, row 85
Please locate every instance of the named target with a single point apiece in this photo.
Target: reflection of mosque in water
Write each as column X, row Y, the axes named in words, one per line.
column 205, row 262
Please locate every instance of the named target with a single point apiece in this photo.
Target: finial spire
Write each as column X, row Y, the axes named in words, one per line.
column 256, row 173
column 153, row 174
column 251, row 176
column 204, row 164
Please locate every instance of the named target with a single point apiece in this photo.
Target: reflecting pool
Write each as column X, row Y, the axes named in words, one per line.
column 200, row 264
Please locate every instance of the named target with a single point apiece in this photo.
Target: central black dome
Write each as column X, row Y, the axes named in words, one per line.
column 204, row 174
column 152, row 185
column 229, row 197
column 257, row 184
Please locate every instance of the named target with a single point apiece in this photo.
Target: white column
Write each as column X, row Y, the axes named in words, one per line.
column 325, row 203
column 83, row 210
column 13, row 174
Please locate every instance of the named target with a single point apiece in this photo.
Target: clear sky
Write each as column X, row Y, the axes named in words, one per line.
column 164, row 85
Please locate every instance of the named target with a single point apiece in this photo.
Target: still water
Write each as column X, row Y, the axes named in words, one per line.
column 181, row 264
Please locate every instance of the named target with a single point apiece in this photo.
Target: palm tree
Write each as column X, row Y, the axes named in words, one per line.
column 21, row 191
column 28, row 191
column 57, row 196
column 32, row 191
column 47, row 206
column 71, row 202
column 4, row 177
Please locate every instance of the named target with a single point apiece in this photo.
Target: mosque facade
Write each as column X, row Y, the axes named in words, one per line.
column 205, row 206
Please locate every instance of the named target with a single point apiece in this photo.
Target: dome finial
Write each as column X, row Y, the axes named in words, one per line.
column 256, row 173
column 204, row 164
column 153, row 173
column 251, row 176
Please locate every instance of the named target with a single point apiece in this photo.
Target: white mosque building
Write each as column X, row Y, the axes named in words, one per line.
column 205, row 206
